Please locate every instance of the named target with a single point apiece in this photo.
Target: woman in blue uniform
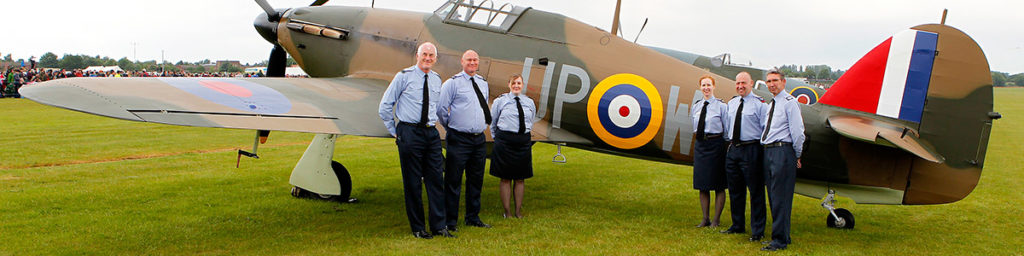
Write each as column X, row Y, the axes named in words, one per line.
column 709, row 115
column 512, row 158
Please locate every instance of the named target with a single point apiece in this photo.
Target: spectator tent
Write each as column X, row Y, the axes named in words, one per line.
column 103, row 69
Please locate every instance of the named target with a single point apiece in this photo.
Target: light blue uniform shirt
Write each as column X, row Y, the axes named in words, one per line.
column 506, row 116
column 714, row 121
column 788, row 124
column 459, row 106
column 751, row 125
column 404, row 98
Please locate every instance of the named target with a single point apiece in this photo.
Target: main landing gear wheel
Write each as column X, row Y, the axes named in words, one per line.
column 343, row 179
column 844, row 221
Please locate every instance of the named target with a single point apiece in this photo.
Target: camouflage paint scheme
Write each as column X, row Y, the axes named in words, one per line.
column 354, row 51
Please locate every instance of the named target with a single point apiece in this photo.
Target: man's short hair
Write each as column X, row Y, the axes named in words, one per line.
column 777, row 72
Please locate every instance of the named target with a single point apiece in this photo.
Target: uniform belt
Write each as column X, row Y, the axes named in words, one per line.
column 708, row 136
column 500, row 130
column 465, row 133
column 777, row 144
column 415, row 125
column 744, row 143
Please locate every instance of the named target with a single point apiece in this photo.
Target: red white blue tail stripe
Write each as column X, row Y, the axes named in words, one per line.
column 892, row 80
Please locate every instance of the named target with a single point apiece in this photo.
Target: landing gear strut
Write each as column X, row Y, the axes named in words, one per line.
column 317, row 176
column 837, row 217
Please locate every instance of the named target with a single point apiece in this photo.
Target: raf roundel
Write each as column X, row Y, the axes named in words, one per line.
column 238, row 94
column 805, row 95
column 625, row 111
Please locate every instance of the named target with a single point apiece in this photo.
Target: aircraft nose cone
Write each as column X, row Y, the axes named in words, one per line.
column 266, row 28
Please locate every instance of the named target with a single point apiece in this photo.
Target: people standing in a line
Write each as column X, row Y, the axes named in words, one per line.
column 743, row 164
column 412, row 99
column 512, row 158
column 783, row 141
column 464, row 113
column 709, row 115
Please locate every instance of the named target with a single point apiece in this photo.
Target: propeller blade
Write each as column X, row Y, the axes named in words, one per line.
column 318, row 3
column 615, row 19
column 278, row 61
column 266, row 8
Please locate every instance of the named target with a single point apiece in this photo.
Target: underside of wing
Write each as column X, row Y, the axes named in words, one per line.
column 314, row 105
column 884, row 133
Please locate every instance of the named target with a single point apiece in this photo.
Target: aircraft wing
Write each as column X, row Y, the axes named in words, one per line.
column 313, row 105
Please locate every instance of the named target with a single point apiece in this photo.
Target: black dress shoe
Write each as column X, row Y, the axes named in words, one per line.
column 422, row 234
column 453, row 228
column 477, row 223
column 772, row 248
column 444, row 233
column 732, row 230
column 755, row 238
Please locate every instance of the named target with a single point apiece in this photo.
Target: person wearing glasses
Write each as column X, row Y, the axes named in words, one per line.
column 512, row 157
column 709, row 116
column 783, row 141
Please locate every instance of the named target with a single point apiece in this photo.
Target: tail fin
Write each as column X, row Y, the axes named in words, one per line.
column 933, row 80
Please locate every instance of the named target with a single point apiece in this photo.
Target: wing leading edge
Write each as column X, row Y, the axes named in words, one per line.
column 314, row 105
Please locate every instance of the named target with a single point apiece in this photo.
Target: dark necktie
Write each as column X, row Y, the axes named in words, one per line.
column 522, row 121
column 426, row 102
column 736, row 126
column 768, row 127
column 483, row 101
column 700, row 124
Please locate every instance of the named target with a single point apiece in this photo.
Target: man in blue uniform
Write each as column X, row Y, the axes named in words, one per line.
column 412, row 99
column 463, row 112
column 743, row 160
column 783, row 141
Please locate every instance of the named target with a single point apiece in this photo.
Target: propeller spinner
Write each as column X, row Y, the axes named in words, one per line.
column 266, row 25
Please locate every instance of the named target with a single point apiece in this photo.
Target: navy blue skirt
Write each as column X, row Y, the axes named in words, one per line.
column 709, row 164
column 512, row 156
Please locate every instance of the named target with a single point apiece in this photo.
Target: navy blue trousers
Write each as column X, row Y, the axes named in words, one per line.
column 419, row 150
column 465, row 153
column 780, row 171
column 743, row 167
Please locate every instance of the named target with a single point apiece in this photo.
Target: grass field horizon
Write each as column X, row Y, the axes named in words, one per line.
column 73, row 183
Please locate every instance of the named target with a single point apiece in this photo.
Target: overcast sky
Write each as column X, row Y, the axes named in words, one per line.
column 770, row 33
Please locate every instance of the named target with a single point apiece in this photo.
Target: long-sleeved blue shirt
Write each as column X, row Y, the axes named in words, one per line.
column 787, row 124
column 506, row 116
column 404, row 98
column 714, row 121
column 459, row 107
column 751, row 125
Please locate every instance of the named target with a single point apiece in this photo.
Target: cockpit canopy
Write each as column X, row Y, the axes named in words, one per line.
column 732, row 60
column 480, row 16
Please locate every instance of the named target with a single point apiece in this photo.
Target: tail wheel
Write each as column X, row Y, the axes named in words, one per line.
column 845, row 220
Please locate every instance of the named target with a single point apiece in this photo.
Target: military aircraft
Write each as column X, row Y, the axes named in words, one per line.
column 908, row 124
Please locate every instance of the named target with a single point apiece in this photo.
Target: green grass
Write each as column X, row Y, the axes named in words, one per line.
column 72, row 183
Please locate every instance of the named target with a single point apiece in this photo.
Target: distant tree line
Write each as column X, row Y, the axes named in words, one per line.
column 81, row 61
column 812, row 72
column 1000, row 79
column 824, row 73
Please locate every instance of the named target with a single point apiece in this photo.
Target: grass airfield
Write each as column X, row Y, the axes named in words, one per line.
column 72, row 183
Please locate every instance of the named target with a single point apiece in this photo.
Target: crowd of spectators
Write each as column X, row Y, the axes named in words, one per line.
column 14, row 78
